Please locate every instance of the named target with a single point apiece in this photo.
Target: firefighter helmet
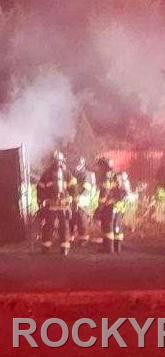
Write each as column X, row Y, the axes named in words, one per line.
column 110, row 164
column 104, row 163
column 101, row 161
column 118, row 177
column 124, row 175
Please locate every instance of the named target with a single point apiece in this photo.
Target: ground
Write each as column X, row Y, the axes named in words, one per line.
column 141, row 266
column 86, row 283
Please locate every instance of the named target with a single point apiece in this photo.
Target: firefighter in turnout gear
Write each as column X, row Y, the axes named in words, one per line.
column 105, row 182
column 104, row 174
column 113, row 189
column 53, row 201
column 117, row 201
column 80, row 187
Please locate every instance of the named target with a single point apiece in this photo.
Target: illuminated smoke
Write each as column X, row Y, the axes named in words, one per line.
column 43, row 112
column 131, row 49
column 107, row 56
column 40, row 107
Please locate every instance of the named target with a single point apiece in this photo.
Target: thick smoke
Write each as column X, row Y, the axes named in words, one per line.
column 106, row 58
column 130, row 45
column 40, row 107
column 43, row 113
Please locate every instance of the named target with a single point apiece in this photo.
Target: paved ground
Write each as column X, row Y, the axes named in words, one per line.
column 141, row 266
column 85, row 284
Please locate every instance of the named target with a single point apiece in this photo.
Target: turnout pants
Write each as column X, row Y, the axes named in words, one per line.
column 111, row 227
column 49, row 217
column 117, row 225
column 79, row 219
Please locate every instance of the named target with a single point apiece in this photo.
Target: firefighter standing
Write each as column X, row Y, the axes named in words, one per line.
column 113, row 191
column 117, row 201
column 104, row 212
column 52, row 199
column 81, row 184
column 104, row 174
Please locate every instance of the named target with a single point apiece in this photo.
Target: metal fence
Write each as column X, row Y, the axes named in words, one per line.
column 142, row 166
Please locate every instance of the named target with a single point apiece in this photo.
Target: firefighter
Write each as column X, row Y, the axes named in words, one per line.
column 104, row 180
column 126, row 183
column 117, row 201
column 104, row 212
column 104, row 173
column 53, row 202
column 81, row 185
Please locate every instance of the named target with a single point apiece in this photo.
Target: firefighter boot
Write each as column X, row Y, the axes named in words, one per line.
column 46, row 240
column 105, row 245
column 65, row 248
column 108, row 245
column 112, row 246
column 118, row 247
column 109, row 242
column 65, row 251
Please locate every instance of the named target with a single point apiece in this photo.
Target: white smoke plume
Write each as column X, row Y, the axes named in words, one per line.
column 42, row 113
column 131, row 48
column 109, row 57
column 40, row 105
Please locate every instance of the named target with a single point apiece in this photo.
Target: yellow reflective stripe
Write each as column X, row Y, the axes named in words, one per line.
column 107, row 185
column 65, row 244
column 87, row 186
column 113, row 184
column 119, row 236
column 110, row 235
column 72, row 182
column 84, row 201
column 69, row 200
column 120, row 206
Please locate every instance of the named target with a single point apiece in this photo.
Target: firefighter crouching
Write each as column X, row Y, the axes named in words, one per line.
column 53, row 201
column 80, row 188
